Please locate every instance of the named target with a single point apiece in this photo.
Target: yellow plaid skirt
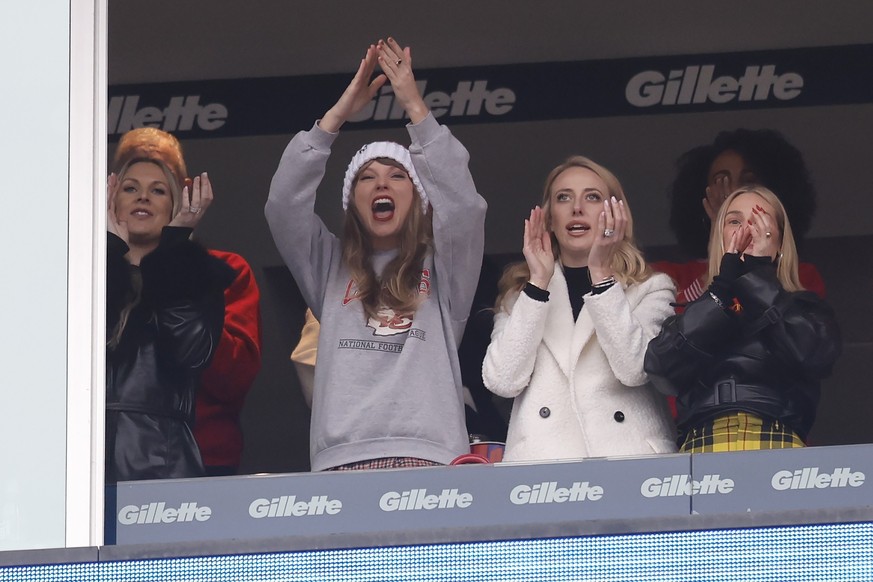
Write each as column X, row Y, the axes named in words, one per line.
column 740, row 431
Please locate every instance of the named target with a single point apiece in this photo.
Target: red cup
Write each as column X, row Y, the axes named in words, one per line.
column 491, row 450
column 469, row 459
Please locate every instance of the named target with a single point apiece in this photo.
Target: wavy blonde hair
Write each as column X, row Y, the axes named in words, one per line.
column 398, row 287
column 786, row 269
column 628, row 263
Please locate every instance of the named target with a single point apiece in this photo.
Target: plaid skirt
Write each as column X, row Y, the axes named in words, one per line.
column 740, row 431
column 386, row 463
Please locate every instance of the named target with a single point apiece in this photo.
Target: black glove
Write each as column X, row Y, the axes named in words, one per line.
column 731, row 269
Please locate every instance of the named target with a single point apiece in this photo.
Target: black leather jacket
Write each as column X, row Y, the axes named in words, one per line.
column 767, row 359
column 153, row 373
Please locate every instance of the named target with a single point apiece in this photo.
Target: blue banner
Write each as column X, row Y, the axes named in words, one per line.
column 803, row 77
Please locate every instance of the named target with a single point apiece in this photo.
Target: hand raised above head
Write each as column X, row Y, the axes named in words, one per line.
column 358, row 94
column 396, row 63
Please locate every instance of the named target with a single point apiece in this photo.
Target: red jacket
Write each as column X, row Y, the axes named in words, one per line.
column 237, row 360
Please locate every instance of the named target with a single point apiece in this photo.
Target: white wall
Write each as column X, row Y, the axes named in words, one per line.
column 34, row 58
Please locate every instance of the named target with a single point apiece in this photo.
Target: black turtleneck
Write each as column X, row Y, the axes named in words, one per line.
column 578, row 285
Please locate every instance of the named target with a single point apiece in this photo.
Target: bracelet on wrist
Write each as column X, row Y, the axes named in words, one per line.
column 718, row 301
column 535, row 292
column 605, row 283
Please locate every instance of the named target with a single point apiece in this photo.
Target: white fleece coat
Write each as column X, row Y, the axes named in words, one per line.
column 580, row 389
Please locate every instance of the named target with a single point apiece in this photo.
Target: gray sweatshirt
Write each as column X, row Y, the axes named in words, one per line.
column 390, row 386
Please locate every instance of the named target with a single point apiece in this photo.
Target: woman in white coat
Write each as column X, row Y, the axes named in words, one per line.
column 572, row 324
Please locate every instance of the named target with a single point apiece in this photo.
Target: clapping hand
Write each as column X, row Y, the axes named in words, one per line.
column 537, row 249
column 357, row 95
column 611, row 227
column 396, row 63
column 194, row 205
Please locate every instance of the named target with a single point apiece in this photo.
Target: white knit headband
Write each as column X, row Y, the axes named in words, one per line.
column 382, row 149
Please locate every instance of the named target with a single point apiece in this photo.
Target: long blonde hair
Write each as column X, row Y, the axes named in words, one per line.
column 786, row 269
column 398, row 287
column 628, row 263
column 135, row 293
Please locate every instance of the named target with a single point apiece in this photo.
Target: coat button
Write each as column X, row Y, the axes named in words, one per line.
column 545, row 412
column 618, row 416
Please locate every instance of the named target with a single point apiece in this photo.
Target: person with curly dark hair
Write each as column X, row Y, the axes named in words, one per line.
column 708, row 174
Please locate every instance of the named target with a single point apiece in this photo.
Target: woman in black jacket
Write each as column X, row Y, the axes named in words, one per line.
column 165, row 312
column 746, row 358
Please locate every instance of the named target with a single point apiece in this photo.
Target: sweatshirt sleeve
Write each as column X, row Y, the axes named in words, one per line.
column 510, row 358
column 441, row 162
column 623, row 331
column 305, row 243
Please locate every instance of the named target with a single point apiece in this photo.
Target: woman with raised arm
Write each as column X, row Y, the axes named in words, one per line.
column 572, row 325
column 394, row 291
column 746, row 357
column 164, row 313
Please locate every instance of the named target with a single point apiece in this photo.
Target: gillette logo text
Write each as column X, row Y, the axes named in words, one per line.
column 181, row 114
column 158, row 512
column 698, row 84
column 676, row 485
column 810, row 478
column 469, row 98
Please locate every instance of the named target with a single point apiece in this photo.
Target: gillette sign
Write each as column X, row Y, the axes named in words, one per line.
column 508, row 93
column 469, row 98
column 158, row 512
column 191, row 113
column 697, row 84
column 182, row 113
column 815, row 478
